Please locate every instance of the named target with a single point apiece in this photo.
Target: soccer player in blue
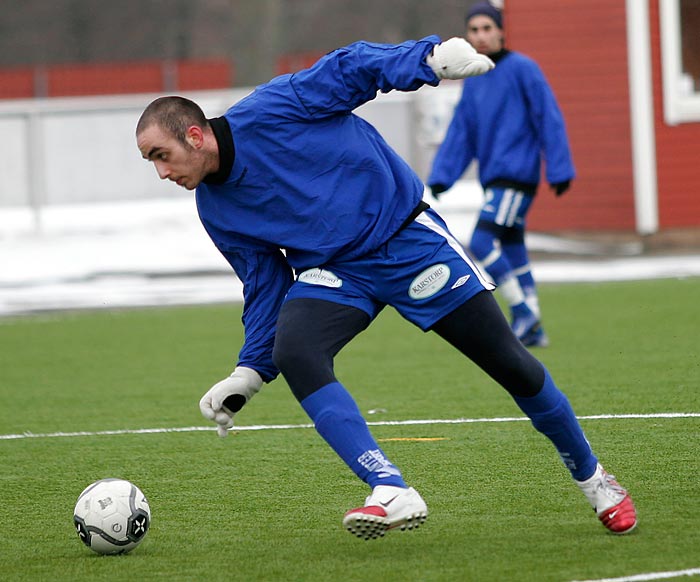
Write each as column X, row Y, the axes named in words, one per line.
column 510, row 122
column 325, row 225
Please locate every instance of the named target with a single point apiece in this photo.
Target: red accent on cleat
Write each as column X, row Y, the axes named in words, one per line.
column 610, row 501
column 621, row 518
column 387, row 508
column 368, row 510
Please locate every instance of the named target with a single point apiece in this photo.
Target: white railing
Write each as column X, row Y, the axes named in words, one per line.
column 76, row 151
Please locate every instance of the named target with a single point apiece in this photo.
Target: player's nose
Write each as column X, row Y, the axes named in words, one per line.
column 163, row 170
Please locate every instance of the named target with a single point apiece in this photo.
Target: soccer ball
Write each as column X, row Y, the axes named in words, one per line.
column 112, row 516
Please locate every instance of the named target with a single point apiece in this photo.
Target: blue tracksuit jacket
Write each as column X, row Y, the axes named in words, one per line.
column 508, row 119
column 311, row 178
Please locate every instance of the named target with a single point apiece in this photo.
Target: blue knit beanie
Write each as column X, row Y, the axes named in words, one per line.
column 486, row 9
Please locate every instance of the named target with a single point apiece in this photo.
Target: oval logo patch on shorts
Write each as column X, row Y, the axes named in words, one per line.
column 320, row 277
column 429, row 282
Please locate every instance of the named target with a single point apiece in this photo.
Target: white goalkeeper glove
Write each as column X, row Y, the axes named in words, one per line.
column 227, row 397
column 456, row 59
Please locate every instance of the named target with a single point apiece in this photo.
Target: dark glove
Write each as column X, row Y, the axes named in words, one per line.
column 560, row 187
column 437, row 189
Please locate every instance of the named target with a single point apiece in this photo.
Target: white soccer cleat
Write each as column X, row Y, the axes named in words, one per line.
column 386, row 508
column 610, row 501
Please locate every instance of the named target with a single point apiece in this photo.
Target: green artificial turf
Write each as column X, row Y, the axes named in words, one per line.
column 266, row 504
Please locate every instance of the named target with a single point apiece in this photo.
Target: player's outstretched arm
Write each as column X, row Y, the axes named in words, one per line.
column 457, row 59
column 227, row 397
column 352, row 75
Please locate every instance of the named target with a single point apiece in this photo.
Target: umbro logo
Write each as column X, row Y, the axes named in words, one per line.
column 461, row 281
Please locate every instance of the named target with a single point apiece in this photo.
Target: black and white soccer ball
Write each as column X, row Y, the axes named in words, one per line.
column 112, row 516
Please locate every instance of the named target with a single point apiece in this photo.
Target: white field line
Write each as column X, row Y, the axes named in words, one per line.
column 32, row 435
column 649, row 576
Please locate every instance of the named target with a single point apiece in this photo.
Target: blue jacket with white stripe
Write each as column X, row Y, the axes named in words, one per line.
column 309, row 181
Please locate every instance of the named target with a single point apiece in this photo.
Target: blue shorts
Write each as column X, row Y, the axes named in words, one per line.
column 422, row 271
column 505, row 207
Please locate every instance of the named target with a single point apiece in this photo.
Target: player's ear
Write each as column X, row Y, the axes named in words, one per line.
column 194, row 136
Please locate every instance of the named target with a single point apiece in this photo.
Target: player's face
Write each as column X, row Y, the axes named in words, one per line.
column 174, row 161
column 484, row 35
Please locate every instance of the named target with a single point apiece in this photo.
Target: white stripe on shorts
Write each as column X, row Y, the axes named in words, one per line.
column 504, row 206
column 428, row 222
column 509, row 207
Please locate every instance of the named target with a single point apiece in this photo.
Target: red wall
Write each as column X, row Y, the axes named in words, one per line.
column 582, row 49
column 677, row 152
column 103, row 79
column 115, row 78
column 293, row 62
column 16, row 83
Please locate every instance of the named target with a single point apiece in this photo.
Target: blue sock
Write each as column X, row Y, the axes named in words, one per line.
column 520, row 310
column 339, row 421
column 552, row 415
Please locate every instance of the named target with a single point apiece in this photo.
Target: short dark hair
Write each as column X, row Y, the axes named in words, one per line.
column 173, row 114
